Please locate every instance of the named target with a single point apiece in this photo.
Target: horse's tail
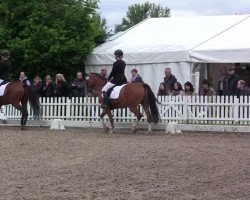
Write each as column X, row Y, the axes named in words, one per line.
column 152, row 104
column 34, row 101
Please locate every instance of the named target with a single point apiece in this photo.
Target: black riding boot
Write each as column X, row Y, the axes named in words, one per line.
column 105, row 103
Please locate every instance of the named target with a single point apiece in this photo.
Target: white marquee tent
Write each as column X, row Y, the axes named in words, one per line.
column 178, row 43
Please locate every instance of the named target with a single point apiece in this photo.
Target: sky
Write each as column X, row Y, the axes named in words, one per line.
column 114, row 10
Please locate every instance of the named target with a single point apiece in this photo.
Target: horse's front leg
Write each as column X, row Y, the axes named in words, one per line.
column 111, row 121
column 102, row 120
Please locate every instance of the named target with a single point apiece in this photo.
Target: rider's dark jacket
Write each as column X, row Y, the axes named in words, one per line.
column 117, row 75
column 5, row 70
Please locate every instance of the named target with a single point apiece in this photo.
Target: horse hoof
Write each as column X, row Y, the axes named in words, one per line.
column 150, row 132
column 4, row 121
column 134, row 130
column 23, row 128
column 112, row 132
column 105, row 130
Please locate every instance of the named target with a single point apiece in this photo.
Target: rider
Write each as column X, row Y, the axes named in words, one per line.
column 5, row 67
column 116, row 76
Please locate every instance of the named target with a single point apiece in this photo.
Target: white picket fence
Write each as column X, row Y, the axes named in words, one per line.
column 214, row 110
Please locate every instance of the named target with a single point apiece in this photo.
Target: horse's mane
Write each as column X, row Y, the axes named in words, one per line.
column 99, row 75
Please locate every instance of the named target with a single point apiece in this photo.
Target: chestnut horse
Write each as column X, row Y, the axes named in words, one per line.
column 131, row 95
column 18, row 94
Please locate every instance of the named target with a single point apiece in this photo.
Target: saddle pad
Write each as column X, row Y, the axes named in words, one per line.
column 116, row 92
column 2, row 88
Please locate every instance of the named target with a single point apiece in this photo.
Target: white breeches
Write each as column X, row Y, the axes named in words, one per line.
column 107, row 86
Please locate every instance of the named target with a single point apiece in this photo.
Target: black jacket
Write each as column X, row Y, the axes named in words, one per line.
column 79, row 88
column 38, row 88
column 49, row 90
column 231, row 85
column 5, row 70
column 117, row 75
column 169, row 82
column 62, row 89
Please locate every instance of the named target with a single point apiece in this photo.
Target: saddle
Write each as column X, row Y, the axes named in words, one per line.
column 2, row 88
column 114, row 92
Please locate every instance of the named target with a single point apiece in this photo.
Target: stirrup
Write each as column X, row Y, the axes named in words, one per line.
column 104, row 105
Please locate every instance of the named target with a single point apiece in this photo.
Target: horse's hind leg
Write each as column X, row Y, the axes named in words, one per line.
column 148, row 114
column 138, row 115
column 24, row 112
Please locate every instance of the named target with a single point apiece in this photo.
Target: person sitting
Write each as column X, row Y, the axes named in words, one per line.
column 189, row 89
column 206, row 90
column 5, row 67
column 62, row 89
column 38, row 86
column 24, row 79
column 79, row 85
column 135, row 77
column 104, row 72
column 163, row 90
column 243, row 89
column 48, row 88
column 177, row 90
column 116, row 77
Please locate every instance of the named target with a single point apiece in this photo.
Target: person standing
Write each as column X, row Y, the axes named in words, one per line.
column 38, row 86
column 222, row 80
column 5, row 67
column 231, row 82
column 79, row 85
column 62, row 89
column 48, row 88
column 169, row 79
column 116, row 77
column 24, row 79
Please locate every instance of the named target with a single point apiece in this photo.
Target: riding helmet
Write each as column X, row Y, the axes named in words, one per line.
column 118, row 52
column 5, row 53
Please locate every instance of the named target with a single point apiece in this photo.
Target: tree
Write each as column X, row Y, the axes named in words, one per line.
column 50, row 36
column 139, row 12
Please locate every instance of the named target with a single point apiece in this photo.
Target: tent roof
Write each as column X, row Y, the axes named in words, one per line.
column 229, row 46
column 159, row 40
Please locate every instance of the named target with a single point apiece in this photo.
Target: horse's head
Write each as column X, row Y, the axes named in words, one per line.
column 95, row 83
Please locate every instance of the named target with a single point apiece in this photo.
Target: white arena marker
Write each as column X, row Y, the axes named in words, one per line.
column 57, row 124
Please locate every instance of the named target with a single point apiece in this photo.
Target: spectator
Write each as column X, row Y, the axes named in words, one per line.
column 79, row 85
column 231, row 82
column 163, row 91
column 177, row 89
column 222, row 80
column 206, row 90
column 38, row 87
column 24, row 79
column 243, row 89
column 104, row 72
column 189, row 89
column 169, row 79
column 135, row 76
column 48, row 88
column 62, row 89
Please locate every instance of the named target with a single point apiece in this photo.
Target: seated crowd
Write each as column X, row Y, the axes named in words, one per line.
column 229, row 84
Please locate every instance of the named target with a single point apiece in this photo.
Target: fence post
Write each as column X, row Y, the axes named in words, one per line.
column 68, row 105
column 185, row 109
column 236, row 110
